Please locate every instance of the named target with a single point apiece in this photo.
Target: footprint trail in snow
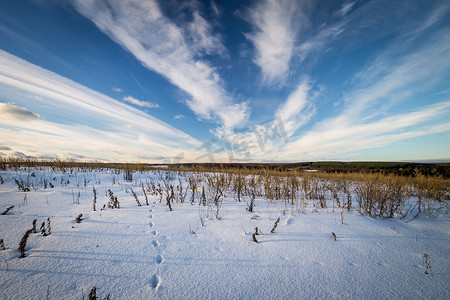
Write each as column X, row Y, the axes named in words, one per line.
column 155, row 280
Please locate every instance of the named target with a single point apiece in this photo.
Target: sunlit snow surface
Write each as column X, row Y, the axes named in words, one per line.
column 147, row 252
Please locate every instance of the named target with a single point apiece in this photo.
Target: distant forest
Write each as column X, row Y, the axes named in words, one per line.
column 396, row 168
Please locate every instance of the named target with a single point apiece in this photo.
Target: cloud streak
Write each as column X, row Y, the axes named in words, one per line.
column 140, row 103
column 172, row 51
column 78, row 119
column 331, row 139
column 297, row 110
column 365, row 120
column 345, row 8
column 338, row 78
column 276, row 23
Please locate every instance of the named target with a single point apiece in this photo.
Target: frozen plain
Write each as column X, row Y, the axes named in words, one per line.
column 149, row 252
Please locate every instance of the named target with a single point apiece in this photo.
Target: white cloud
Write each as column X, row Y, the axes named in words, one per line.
column 345, row 8
column 443, row 92
column 179, row 117
column 78, row 119
column 262, row 141
column 202, row 38
column 173, row 51
column 215, row 9
column 9, row 111
column 337, row 136
column 140, row 103
column 365, row 120
column 277, row 23
column 117, row 90
column 297, row 110
column 390, row 79
column 233, row 116
column 365, row 24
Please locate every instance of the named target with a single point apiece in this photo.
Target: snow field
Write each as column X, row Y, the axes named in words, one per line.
column 149, row 252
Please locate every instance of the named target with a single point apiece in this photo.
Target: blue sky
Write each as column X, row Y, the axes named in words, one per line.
column 229, row 81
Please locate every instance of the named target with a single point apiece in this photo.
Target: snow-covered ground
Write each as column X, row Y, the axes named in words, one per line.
column 146, row 252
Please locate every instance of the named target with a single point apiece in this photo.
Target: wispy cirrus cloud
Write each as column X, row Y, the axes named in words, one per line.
column 338, row 136
column 366, row 115
column 358, row 25
column 345, row 8
column 173, row 51
column 140, row 103
column 215, row 8
column 366, row 118
column 393, row 77
column 276, row 25
column 77, row 119
column 363, row 118
column 298, row 109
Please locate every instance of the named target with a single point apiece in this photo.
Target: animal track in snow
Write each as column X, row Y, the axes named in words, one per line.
column 159, row 259
column 155, row 281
